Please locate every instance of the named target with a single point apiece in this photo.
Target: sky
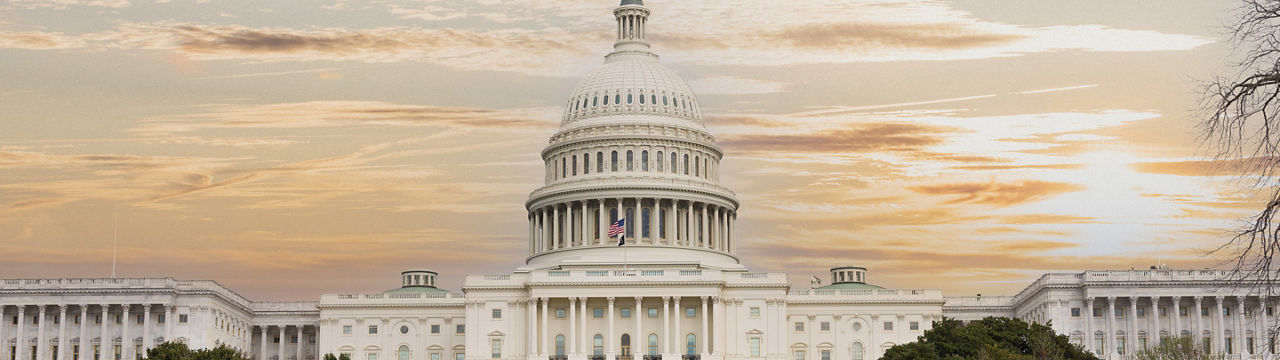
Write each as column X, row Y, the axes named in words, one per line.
column 288, row 149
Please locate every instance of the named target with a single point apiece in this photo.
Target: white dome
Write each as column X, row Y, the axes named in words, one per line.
column 617, row 87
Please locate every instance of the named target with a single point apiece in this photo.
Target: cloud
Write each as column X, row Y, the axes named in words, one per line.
column 1229, row 167
column 722, row 85
column 64, row 4
column 314, row 114
column 863, row 138
column 858, row 36
column 35, row 40
column 993, row 193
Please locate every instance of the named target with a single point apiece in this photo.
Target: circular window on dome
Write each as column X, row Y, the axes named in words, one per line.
column 404, row 329
column 857, row 326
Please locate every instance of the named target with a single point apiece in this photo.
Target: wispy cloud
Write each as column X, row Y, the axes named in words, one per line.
column 1002, row 194
column 342, row 113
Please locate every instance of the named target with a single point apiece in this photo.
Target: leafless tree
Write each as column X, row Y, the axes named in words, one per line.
column 1240, row 125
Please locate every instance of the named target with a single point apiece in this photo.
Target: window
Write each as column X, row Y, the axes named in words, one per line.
column 373, row 329
column 824, row 326
column 755, row 311
column 182, row 319
column 630, row 161
column 347, row 354
column 673, row 163
column 664, row 100
column 497, row 313
column 799, row 326
column 1141, row 313
column 459, row 356
column 686, row 164
column 658, row 166
column 1204, row 311
column 403, row 353
column 755, row 346
column 857, row 327
column 617, row 99
column 914, row 325
column 690, row 312
column 294, row 339
column 370, row 356
column 159, row 319
column 1182, row 311
column 559, row 313
column 697, row 163
column 613, row 161
column 642, row 98
column 888, row 326
column 1075, row 312
column 826, row 354
column 586, row 163
column 597, row 345
column 626, row 312
column 435, row 329
column 436, row 355
column 857, row 351
column 798, row 354
column 1097, row 312
column 403, row 330
column 1162, row 311
column 690, row 345
column 626, row 345
column 275, row 339
column 495, row 347
column 462, row 329
column 653, row 344
column 653, row 99
column 1226, row 311
column 1119, row 312
column 653, row 312
column 575, row 166
column 346, row 329
column 644, row 160
column 644, row 223
column 595, row 100
column 629, row 99
column 1269, row 312
column 631, row 217
column 559, row 345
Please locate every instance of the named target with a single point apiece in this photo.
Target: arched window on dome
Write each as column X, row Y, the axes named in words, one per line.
column 673, row 163
column 686, row 164
column 697, row 161
column 606, row 100
column 629, row 99
column 662, row 219
column 595, row 100
column 706, row 168
column 644, row 160
column 653, row 99
column 575, row 165
column 617, row 99
column 564, row 168
column 613, row 162
column 584, row 102
column 630, row 161
column 586, row 163
column 599, row 161
column 664, row 100
column 613, row 215
column 641, row 99
column 644, row 223
column 659, row 164
column 631, row 218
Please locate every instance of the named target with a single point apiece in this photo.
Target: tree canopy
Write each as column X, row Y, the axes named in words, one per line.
column 995, row 338
column 179, row 351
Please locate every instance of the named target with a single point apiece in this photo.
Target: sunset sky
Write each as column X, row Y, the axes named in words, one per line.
column 292, row 148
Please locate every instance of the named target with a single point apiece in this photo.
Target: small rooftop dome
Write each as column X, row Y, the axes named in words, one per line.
column 417, row 280
column 849, row 277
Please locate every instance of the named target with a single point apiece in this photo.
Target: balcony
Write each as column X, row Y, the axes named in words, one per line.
column 690, row 357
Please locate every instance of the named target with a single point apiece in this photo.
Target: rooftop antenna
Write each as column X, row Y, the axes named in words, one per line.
column 115, row 237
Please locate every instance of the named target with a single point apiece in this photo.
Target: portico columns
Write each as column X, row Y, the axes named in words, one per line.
column 640, row 337
column 1198, row 334
column 146, row 327
column 705, row 229
column 283, row 339
column 543, row 333
column 609, row 353
column 1088, row 326
column 531, row 328
column 679, row 314
column 703, row 313
column 21, row 337
column 1154, row 337
column 1176, row 318
column 573, row 326
column 171, row 316
column 666, row 324
column 300, row 341
column 555, row 228
column 582, row 346
column 262, row 353
column 1131, row 339
column 585, row 218
column 40, row 343
column 1218, row 331
column 104, row 342
column 1240, row 337
column 1111, row 321
column 62, row 332
column 688, row 227
column 1262, row 337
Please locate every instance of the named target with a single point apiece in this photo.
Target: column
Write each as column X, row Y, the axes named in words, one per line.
column 703, row 314
column 171, row 316
column 85, row 349
column 40, row 343
column 1153, row 338
column 601, row 225
column 1110, row 345
column 104, row 343
column 1240, row 337
column 1131, row 339
column 62, row 332
column 262, row 353
column 609, row 340
column 586, row 233
column 533, row 243
column 653, row 226
column 671, row 225
column 1218, row 324
column 837, row 345
column 679, row 336
column 4, row 326
column 666, row 323
column 719, row 245
column 639, row 342
column 568, row 224
column 21, row 336
column 1088, row 325
column 300, row 341
column 1197, row 334
column 1176, row 318
column 688, row 230
column 705, row 232
column 545, row 241
column 283, row 339
column 146, row 326
column 531, row 328
column 546, row 348
column 717, row 328
column 573, row 326
column 555, row 228
column 582, row 345
column 1261, row 338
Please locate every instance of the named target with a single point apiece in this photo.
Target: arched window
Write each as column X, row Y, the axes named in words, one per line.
column 613, row 161
column 631, row 218
column 644, row 223
column 641, row 99
column 673, row 163
column 664, row 100
column 858, row 353
column 630, row 161
column 691, row 345
column 686, row 164
column 697, row 169
column 662, row 219
column 629, row 99
column 403, row 353
column 559, row 345
column 653, row 99
column 595, row 100
column 617, row 99
column 597, row 345
column 653, row 344
column 599, row 161
column 564, row 168
column 626, row 345
column 584, row 102
column 575, row 165
column 706, row 168
column 644, row 160
column 606, row 100
column 586, row 163
column 659, row 158
column 613, row 215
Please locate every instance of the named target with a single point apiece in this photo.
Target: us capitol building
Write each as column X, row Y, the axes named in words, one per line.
column 632, row 143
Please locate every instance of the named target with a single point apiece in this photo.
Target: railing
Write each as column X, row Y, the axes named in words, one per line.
column 557, row 273
column 559, row 357
column 755, row 275
column 652, row 273
column 597, row 273
column 596, row 357
column 653, row 357
column 498, row 277
column 690, row 272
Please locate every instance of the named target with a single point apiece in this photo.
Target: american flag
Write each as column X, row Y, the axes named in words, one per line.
column 619, row 228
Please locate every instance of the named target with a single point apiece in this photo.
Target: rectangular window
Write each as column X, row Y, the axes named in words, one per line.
column 914, row 325
column 690, row 312
column 462, row 329
column 77, row 319
column 755, row 311
column 139, row 320
column 1163, row 311
column 1204, row 311
column 626, row 312
column 1182, row 311
column 653, row 312
column 824, row 326
column 496, row 348
column 559, row 313
column 435, row 329
column 1075, row 312
column 159, row 319
column 1097, row 312
column 75, row 351
column 799, row 326
column 370, row 356
column 755, row 347
column 1226, row 311
column 799, row 354
column 1226, row 344
column 459, row 356
column 888, row 326
column 182, row 318
column 58, row 319
column 597, row 313
column 1269, row 313
column 826, row 354
column 1119, row 312
column 293, row 339
column 497, row 313
column 435, row 356
column 1141, row 312
column 346, row 329
column 276, row 339
column 96, row 320
column 373, row 329
column 1120, row 345
column 119, row 319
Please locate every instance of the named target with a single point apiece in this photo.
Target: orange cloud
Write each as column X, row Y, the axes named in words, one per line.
column 993, row 193
column 861, row 138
